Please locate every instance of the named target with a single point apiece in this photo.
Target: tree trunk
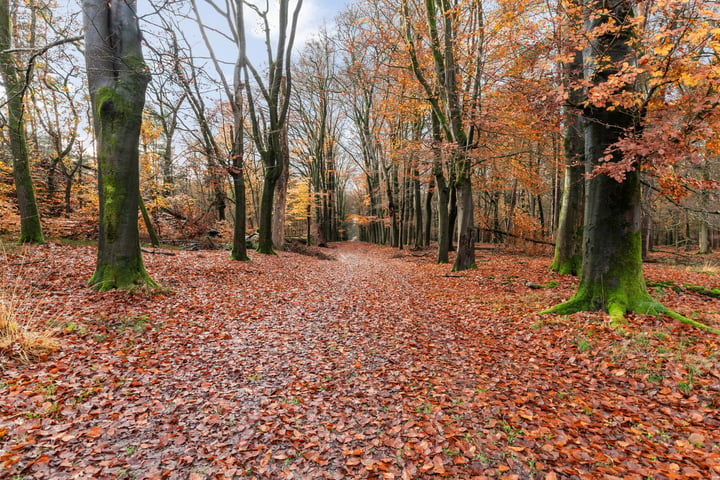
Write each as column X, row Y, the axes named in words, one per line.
column 428, row 211
column 239, row 249
column 704, row 227
column 568, row 242
column 443, row 202
column 465, row 257
column 220, row 198
column 30, row 227
column 495, row 205
column 237, row 152
column 612, row 277
column 402, row 198
column 118, row 78
column 152, row 233
column 646, row 220
column 390, row 187
column 167, row 169
column 68, row 195
column 418, row 208
column 452, row 214
column 443, row 191
column 541, row 215
column 265, row 240
column 278, row 232
column 704, row 236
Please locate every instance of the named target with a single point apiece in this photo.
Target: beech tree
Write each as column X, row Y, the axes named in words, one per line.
column 268, row 120
column 315, row 129
column 614, row 116
column 452, row 100
column 15, row 83
column 568, row 241
column 233, row 13
column 118, row 79
column 611, row 276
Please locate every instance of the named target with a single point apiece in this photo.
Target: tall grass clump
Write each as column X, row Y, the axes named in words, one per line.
column 18, row 340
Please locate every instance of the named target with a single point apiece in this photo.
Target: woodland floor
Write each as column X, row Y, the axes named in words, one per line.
column 372, row 365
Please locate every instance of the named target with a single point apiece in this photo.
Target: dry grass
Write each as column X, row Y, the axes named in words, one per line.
column 709, row 267
column 18, row 340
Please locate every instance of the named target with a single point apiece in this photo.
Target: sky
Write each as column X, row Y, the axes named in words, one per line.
column 313, row 15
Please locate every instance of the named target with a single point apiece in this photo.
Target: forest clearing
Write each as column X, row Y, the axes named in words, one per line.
column 372, row 364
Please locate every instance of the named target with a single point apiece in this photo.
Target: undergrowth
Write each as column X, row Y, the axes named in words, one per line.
column 18, row 340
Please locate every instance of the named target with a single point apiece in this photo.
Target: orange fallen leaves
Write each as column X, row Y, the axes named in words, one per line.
column 352, row 367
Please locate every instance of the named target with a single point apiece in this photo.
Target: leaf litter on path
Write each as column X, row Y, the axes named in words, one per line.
column 372, row 365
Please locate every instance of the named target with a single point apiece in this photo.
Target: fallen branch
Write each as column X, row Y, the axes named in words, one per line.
column 155, row 252
column 673, row 253
column 501, row 232
column 538, row 286
column 28, row 263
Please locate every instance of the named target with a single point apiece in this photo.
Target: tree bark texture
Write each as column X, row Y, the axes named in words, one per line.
column 265, row 240
column 612, row 277
column 568, row 242
column 465, row 256
column 278, row 232
column 428, row 212
column 118, row 78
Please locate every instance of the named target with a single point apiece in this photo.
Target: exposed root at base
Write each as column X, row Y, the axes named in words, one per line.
column 617, row 311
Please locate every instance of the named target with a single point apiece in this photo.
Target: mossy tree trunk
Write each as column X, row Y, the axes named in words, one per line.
column 30, row 227
column 568, row 241
column 118, row 78
column 612, row 277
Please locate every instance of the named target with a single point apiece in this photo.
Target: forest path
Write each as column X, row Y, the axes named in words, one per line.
column 376, row 364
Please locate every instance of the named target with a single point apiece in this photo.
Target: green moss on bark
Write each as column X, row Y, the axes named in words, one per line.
column 120, row 264
column 123, row 276
column 620, row 291
column 239, row 256
column 567, row 266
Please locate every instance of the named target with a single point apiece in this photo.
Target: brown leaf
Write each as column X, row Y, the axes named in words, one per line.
column 94, row 432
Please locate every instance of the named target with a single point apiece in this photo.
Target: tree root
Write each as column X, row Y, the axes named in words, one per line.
column 617, row 310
